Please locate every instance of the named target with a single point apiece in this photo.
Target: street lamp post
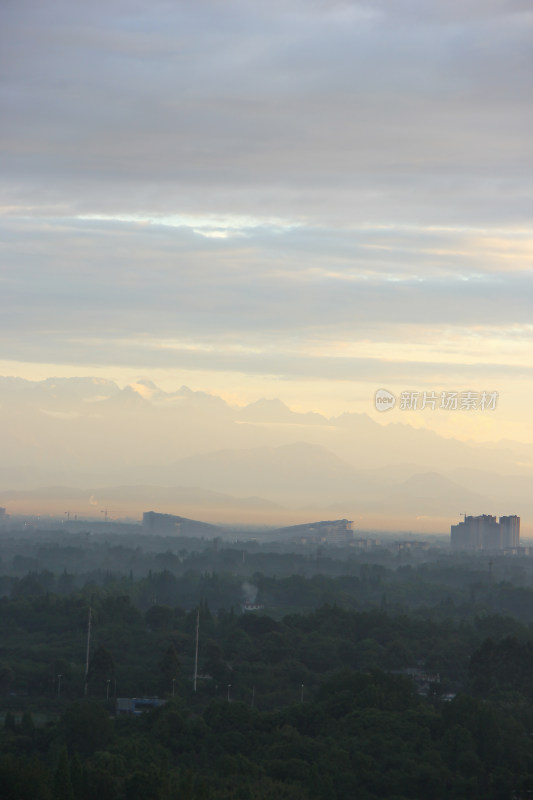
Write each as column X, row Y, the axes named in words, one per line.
column 59, row 685
column 302, row 693
column 229, row 687
column 107, row 688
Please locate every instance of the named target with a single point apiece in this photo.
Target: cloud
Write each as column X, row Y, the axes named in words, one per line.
column 82, row 275
column 308, row 111
column 263, row 188
column 297, row 362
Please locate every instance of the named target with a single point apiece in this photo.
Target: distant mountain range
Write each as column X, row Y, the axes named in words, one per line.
column 262, row 459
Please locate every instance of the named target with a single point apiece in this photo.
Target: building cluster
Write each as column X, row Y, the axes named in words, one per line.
column 409, row 545
column 366, row 544
column 486, row 532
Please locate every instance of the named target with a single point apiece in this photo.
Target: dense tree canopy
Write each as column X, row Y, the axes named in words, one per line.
column 388, row 682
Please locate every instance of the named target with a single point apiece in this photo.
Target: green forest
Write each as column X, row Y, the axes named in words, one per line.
column 394, row 680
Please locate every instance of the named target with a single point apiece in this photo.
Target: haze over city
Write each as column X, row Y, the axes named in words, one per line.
column 266, row 378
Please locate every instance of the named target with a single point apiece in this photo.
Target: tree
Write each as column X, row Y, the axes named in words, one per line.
column 159, row 618
column 62, row 783
column 27, row 725
column 169, row 667
column 77, row 776
column 9, row 722
column 87, row 727
column 6, row 678
column 101, row 669
column 214, row 664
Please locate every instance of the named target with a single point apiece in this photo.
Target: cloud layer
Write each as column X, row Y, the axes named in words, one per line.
column 307, row 189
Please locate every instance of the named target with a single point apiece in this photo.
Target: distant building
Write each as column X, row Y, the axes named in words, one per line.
column 412, row 544
column 172, row 525
column 485, row 532
column 423, row 680
column 366, row 544
column 161, row 523
column 337, row 531
column 519, row 551
column 253, row 607
column 3, row 516
column 510, row 531
column 137, row 705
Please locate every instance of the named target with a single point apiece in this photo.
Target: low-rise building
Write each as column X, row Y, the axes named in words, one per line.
column 137, row 705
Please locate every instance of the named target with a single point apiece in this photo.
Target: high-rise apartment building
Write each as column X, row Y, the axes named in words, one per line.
column 485, row 532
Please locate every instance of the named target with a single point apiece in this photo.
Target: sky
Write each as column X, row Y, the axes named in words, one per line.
column 305, row 200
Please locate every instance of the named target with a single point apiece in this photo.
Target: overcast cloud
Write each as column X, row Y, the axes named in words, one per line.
column 268, row 188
